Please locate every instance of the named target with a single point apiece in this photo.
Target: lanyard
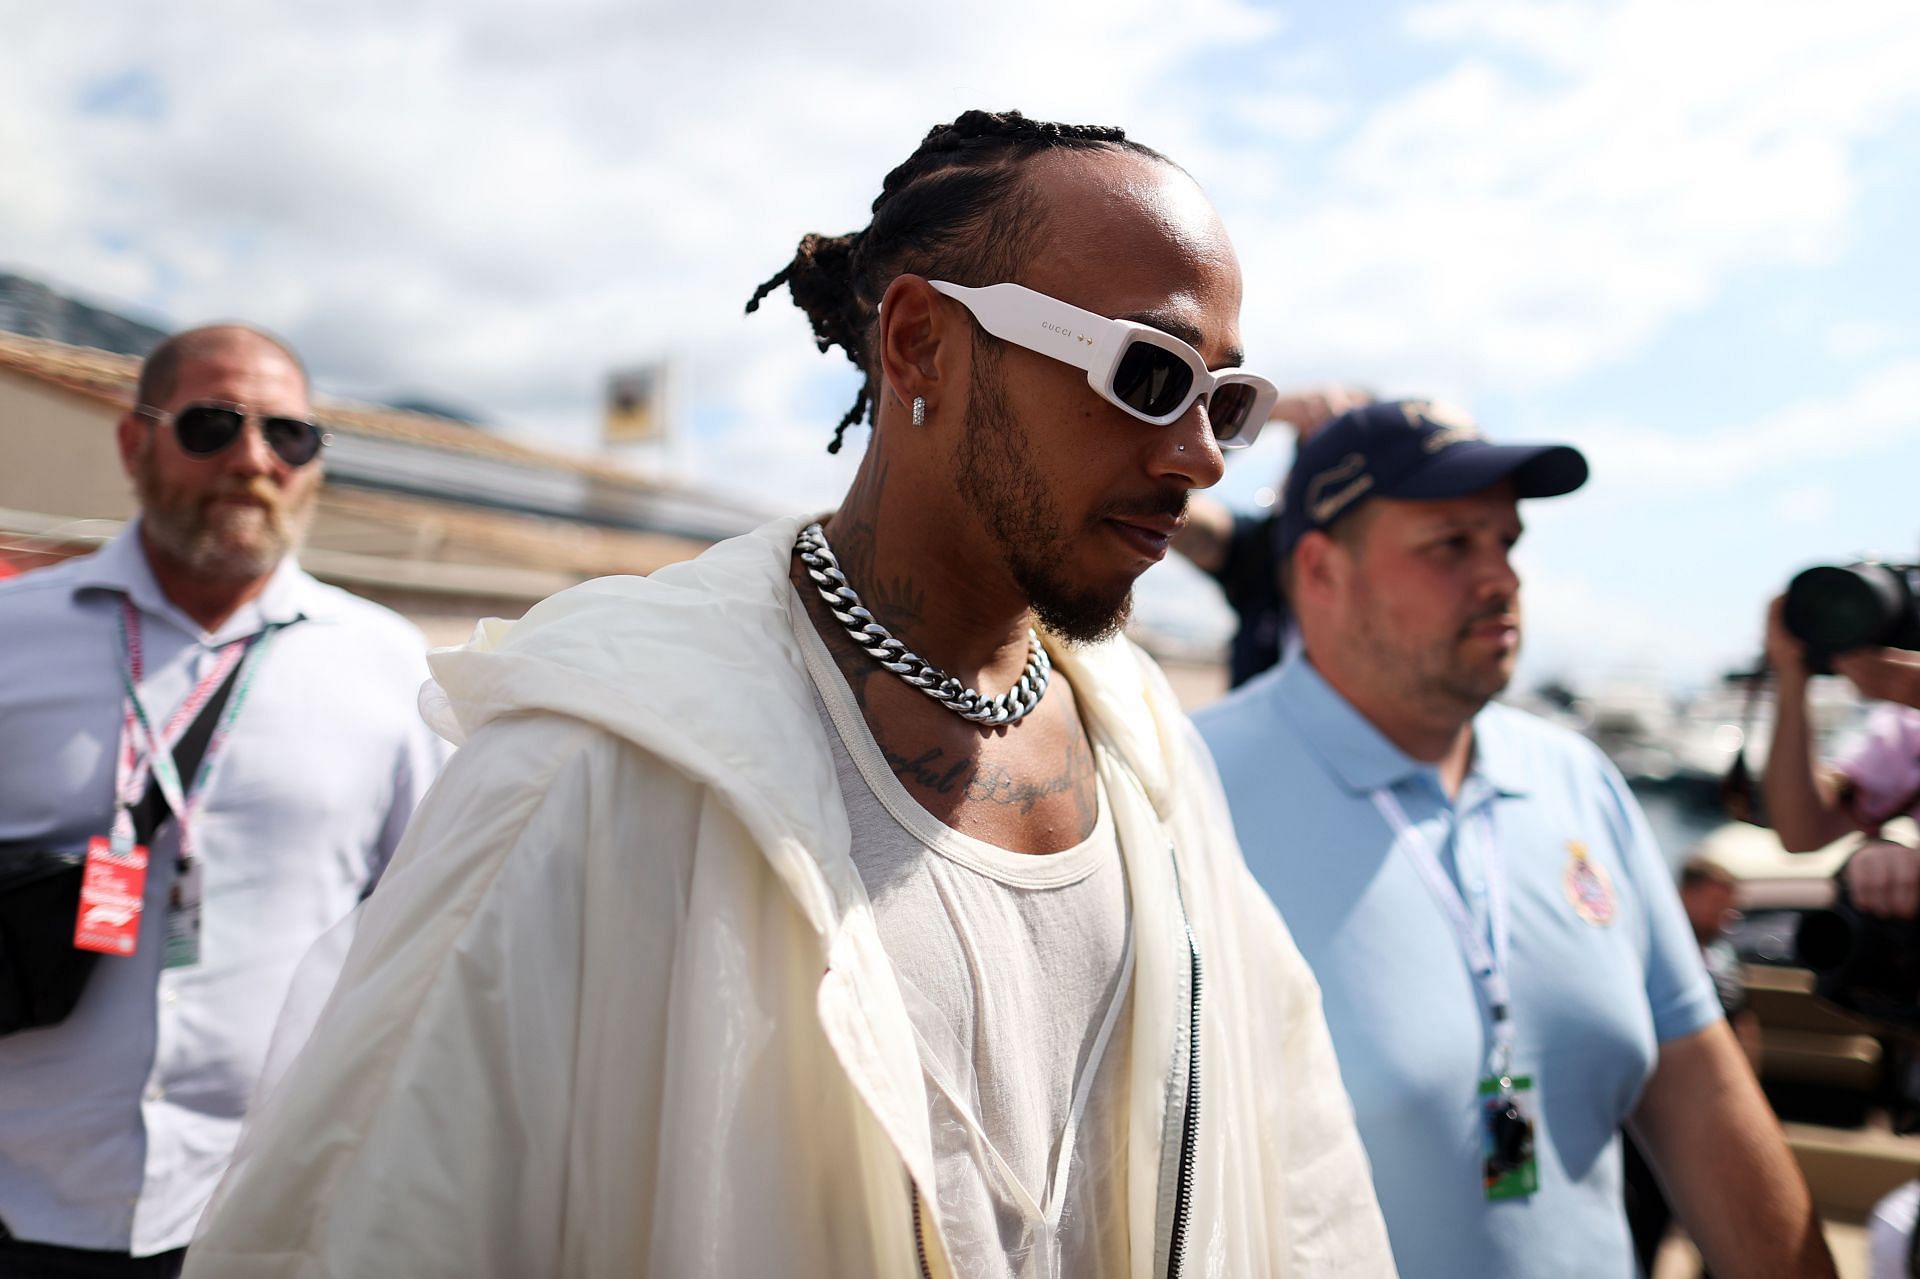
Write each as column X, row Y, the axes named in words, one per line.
column 145, row 751
column 1488, row 963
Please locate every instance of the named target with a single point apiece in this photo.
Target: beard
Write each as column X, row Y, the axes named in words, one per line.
column 996, row 477
column 1438, row 675
column 219, row 539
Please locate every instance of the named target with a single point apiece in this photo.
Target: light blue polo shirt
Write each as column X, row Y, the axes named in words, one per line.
column 1603, row 964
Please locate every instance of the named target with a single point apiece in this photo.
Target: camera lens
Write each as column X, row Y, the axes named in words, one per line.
column 1824, row 942
column 1835, row 609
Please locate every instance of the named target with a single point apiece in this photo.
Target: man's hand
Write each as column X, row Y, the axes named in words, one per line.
column 1310, row 408
column 1805, row 804
column 1785, row 654
column 1207, row 536
column 1883, row 674
column 1884, row 879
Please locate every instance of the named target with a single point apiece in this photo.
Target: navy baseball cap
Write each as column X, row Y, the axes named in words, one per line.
column 1415, row 449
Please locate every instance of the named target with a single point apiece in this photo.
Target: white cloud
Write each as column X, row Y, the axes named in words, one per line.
column 1289, row 116
column 1858, row 339
column 494, row 204
column 1578, row 176
column 1636, row 460
column 1807, row 504
column 1580, row 631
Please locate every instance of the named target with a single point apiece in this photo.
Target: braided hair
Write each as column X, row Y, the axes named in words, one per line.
column 953, row 210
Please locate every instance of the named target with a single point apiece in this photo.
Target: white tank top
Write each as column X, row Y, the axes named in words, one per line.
column 1016, row 972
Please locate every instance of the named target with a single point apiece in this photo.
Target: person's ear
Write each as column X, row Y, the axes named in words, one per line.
column 131, row 434
column 1319, row 566
column 924, row 343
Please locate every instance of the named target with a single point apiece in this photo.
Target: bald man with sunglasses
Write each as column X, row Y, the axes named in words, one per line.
column 199, row 885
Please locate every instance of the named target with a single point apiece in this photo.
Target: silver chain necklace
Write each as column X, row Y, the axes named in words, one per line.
column 878, row 643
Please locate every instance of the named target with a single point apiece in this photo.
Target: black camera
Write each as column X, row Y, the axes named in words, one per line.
column 1862, row 962
column 1832, row 609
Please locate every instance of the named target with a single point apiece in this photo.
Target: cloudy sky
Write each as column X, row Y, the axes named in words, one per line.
column 1681, row 235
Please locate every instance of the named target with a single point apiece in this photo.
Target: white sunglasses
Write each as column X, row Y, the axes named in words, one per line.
column 1152, row 375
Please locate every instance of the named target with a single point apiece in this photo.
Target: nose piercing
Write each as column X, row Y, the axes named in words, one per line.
column 1180, row 448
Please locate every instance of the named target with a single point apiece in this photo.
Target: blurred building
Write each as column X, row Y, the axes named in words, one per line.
column 439, row 521
column 34, row 309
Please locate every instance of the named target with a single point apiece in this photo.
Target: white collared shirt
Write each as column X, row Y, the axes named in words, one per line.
column 116, row 1124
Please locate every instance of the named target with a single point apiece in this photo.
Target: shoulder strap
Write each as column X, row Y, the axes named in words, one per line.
column 187, row 752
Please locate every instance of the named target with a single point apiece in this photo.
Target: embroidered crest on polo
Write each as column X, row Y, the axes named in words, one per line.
column 1587, row 886
column 879, row 644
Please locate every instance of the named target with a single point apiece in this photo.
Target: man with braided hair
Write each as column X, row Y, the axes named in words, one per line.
column 839, row 903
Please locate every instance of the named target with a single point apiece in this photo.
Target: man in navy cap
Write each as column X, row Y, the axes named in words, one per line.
column 1507, row 972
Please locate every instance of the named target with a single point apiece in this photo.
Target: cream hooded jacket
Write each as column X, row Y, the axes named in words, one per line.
column 619, row 1007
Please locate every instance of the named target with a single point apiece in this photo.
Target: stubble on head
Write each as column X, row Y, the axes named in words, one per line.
column 1433, row 673
column 994, row 475
column 1427, row 675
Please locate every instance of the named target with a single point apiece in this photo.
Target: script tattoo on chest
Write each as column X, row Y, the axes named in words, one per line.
column 986, row 782
column 929, row 770
column 997, row 786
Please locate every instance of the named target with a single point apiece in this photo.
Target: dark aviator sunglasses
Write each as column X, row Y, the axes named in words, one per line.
column 205, row 429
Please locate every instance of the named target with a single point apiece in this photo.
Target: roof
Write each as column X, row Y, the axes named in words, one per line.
column 109, row 379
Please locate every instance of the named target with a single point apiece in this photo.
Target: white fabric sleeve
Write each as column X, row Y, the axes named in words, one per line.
column 427, row 1127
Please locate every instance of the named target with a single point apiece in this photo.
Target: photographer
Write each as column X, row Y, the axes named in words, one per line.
column 1873, row 783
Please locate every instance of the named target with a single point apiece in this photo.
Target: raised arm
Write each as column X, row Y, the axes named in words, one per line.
column 1806, row 803
column 1208, row 534
column 1882, row 674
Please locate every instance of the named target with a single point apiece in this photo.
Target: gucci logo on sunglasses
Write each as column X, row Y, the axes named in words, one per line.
column 1152, row 375
column 205, row 429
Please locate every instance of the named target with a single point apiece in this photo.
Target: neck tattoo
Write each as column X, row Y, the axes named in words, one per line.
column 878, row 643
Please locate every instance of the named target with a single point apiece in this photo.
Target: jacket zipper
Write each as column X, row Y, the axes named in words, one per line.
column 1190, row 1130
column 919, row 1238
column 1189, row 1142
